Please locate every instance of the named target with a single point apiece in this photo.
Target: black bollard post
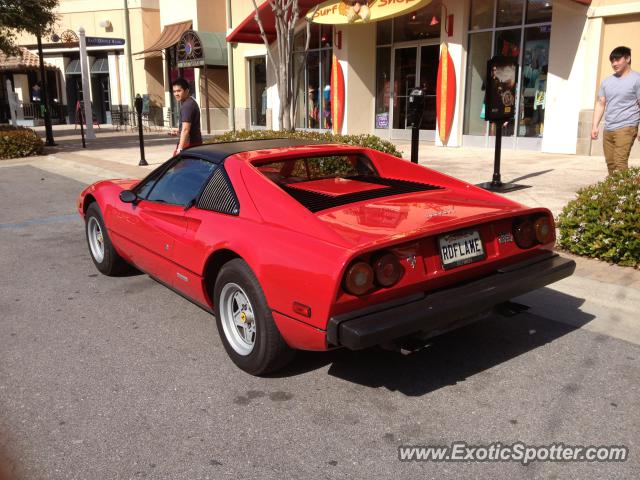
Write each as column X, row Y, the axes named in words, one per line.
column 415, row 138
column 138, row 104
column 496, row 181
column 415, row 111
column 79, row 112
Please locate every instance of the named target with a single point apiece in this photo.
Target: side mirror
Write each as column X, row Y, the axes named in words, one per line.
column 127, row 196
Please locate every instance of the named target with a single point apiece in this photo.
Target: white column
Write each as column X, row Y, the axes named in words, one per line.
column 457, row 49
column 13, row 104
column 86, row 90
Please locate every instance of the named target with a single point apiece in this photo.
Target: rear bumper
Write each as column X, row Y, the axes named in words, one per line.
column 443, row 309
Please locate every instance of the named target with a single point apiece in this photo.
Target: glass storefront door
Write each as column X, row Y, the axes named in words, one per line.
column 405, row 78
column 414, row 67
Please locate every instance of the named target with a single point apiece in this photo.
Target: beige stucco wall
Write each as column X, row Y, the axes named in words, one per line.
column 172, row 11
column 147, row 73
column 619, row 30
column 358, row 59
column 212, row 15
column 569, row 67
column 240, row 9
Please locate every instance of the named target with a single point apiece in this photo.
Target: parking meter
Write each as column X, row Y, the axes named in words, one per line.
column 138, row 104
column 415, row 110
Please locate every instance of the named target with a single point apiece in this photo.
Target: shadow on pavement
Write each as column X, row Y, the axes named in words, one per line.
column 107, row 138
column 450, row 358
column 529, row 175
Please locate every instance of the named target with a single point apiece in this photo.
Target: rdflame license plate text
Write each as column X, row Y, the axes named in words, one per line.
column 460, row 248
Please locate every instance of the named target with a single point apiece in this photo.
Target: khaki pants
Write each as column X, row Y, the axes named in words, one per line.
column 617, row 147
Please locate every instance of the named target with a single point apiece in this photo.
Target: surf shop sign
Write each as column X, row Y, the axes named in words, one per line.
column 337, row 12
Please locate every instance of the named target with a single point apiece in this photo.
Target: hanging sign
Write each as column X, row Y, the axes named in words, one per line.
column 104, row 42
column 336, row 12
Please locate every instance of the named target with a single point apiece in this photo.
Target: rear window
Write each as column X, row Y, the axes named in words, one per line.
column 323, row 182
column 315, row 168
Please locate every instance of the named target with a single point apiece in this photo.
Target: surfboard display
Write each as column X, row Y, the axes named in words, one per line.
column 445, row 94
column 337, row 95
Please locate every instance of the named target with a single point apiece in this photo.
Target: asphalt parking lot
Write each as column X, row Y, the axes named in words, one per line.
column 105, row 378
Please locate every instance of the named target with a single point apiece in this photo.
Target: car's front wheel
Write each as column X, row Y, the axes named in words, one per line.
column 104, row 256
column 245, row 323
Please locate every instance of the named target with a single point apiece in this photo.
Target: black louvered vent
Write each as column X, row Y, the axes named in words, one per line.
column 316, row 202
column 218, row 195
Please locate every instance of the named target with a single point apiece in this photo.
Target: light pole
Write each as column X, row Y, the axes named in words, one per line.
column 86, row 92
column 45, row 96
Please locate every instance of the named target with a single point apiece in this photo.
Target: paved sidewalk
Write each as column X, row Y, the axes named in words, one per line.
column 610, row 292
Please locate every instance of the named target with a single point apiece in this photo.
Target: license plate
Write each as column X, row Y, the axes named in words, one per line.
column 460, row 248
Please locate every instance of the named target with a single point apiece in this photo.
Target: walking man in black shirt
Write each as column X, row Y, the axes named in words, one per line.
column 189, row 129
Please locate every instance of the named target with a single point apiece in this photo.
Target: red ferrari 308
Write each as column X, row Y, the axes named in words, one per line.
column 305, row 246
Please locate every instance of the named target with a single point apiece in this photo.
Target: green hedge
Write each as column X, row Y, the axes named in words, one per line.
column 18, row 142
column 370, row 141
column 603, row 221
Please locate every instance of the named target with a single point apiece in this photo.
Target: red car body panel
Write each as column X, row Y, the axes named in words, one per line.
column 300, row 256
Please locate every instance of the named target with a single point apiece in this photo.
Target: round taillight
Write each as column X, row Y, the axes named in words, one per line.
column 524, row 234
column 359, row 278
column 544, row 233
column 387, row 270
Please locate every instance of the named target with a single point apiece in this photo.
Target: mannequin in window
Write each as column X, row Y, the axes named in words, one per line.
column 313, row 108
column 539, row 100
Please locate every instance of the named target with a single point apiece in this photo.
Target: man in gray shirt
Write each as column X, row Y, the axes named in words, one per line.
column 619, row 101
column 189, row 129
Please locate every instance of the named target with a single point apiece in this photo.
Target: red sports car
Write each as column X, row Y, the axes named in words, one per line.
column 317, row 246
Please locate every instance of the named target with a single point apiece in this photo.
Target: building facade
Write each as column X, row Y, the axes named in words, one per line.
column 134, row 47
column 560, row 46
column 112, row 32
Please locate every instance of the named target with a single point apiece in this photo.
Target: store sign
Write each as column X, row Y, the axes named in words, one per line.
column 382, row 120
column 194, row 62
column 190, row 51
column 337, row 12
column 104, row 42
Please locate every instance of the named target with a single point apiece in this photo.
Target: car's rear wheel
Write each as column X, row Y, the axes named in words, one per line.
column 104, row 256
column 245, row 322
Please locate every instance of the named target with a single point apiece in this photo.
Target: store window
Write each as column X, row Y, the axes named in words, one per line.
column 258, row 91
column 314, row 83
column 520, row 29
column 407, row 50
column 420, row 24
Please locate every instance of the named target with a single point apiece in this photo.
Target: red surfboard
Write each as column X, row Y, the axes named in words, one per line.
column 337, row 95
column 445, row 94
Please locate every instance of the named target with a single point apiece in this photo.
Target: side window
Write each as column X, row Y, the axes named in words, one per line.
column 182, row 183
column 144, row 189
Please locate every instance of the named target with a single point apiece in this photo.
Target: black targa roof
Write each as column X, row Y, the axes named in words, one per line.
column 217, row 152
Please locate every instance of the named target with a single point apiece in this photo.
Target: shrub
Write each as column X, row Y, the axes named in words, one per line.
column 369, row 141
column 19, row 142
column 603, row 221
